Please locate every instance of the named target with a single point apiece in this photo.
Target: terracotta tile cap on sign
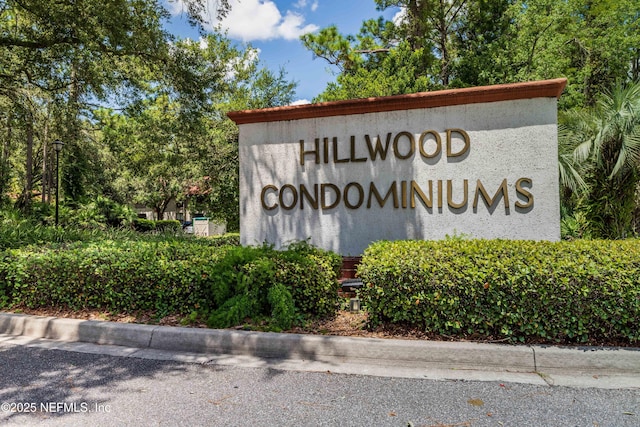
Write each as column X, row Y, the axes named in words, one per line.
column 442, row 98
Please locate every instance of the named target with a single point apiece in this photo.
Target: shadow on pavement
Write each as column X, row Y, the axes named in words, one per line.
column 48, row 383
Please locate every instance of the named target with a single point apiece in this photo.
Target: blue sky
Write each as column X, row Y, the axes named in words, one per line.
column 274, row 27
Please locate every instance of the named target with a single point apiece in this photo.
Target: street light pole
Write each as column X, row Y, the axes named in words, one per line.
column 57, row 144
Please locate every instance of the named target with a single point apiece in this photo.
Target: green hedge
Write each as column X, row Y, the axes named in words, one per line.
column 209, row 277
column 581, row 291
column 16, row 234
column 226, row 239
column 146, row 225
column 167, row 277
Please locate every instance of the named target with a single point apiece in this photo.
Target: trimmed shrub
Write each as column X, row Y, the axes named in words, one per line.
column 166, row 277
column 232, row 239
column 174, row 276
column 143, row 225
column 579, row 292
column 168, row 225
column 164, row 226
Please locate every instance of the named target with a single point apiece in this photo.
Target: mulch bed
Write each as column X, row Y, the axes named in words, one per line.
column 345, row 323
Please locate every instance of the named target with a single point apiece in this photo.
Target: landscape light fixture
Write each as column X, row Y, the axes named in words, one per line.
column 57, row 144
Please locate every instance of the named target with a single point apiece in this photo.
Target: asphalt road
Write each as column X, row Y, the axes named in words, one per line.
column 67, row 388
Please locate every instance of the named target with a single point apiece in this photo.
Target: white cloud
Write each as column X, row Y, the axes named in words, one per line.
column 301, row 4
column 400, row 17
column 300, row 102
column 175, row 7
column 292, row 26
column 231, row 67
column 250, row 20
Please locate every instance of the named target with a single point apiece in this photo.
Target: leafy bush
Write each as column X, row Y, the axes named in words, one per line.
column 252, row 282
column 101, row 212
column 225, row 239
column 170, row 225
column 143, row 225
column 283, row 310
column 166, row 277
column 580, row 291
column 163, row 226
column 574, row 227
column 179, row 276
column 16, row 233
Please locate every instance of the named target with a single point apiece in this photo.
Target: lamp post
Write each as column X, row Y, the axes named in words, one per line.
column 57, row 144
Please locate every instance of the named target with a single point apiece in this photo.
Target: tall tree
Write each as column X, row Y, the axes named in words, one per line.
column 417, row 50
column 431, row 25
column 169, row 146
column 77, row 52
column 374, row 63
column 480, row 37
column 433, row 44
column 591, row 42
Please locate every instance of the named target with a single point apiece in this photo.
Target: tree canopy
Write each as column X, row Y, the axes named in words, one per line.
column 141, row 112
column 434, row 44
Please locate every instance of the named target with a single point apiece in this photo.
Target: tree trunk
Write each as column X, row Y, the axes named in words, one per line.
column 25, row 200
column 444, row 61
column 416, row 14
column 4, row 161
column 161, row 208
column 45, row 152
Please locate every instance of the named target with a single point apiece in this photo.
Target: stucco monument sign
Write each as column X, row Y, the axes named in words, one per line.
column 480, row 162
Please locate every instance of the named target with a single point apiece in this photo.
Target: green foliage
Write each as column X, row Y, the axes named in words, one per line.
column 170, row 225
column 457, row 43
column 211, row 277
column 574, row 227
column 283, row 310
column 16, row 232
column 170, row 132
column 144, row 225
column 233, row 311
column 163, row 226
column 606, row 141
column 166, row 277
column 232, row 239
column 301, row 280
column 58, row 60
column 581, row 291
column 101, row 212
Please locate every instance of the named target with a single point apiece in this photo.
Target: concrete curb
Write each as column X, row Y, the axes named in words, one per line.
column 545, row 361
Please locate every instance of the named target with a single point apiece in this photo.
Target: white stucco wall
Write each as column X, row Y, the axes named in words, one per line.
column 510, row 140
